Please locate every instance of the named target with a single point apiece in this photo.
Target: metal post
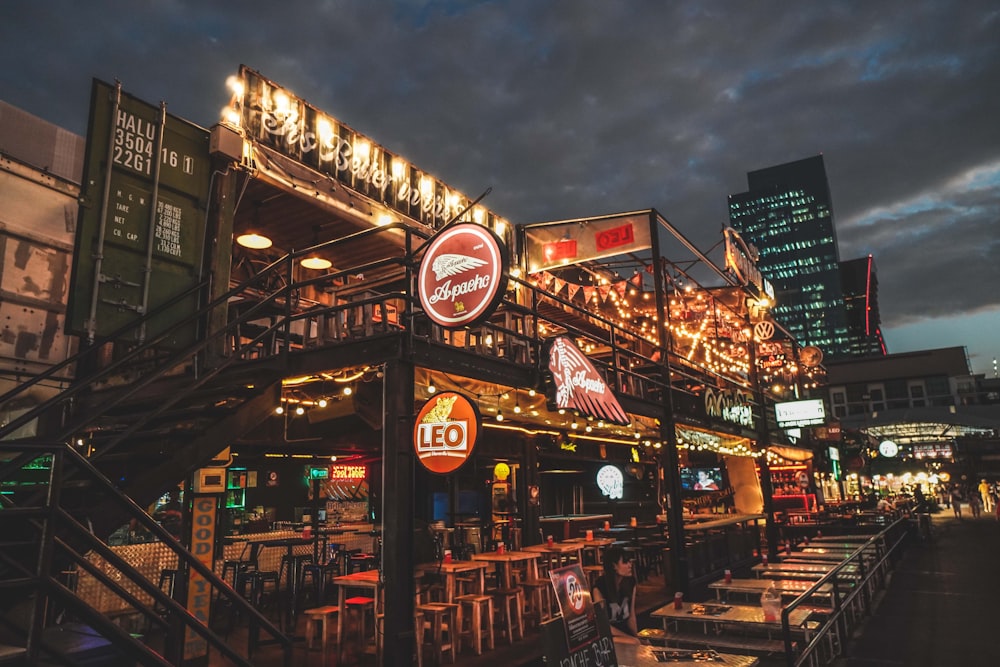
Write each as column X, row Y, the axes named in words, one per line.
column 397, row 512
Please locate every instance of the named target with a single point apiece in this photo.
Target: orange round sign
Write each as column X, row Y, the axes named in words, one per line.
column 446, row 431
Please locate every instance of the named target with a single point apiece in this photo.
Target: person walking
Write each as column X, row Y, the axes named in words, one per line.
column 984, row 493
column 956, row 500
column 616, row 586
column 975, row 505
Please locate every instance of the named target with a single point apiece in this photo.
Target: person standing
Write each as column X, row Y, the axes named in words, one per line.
column 984, row 493
column 616, row 586
column 956, row 501
column 975, row 504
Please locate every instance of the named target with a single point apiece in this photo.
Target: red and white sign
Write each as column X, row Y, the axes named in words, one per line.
column 463, row 275
column 578, row 385
column 446, row 432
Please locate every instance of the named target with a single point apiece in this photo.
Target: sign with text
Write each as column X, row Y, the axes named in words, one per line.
column 446, row 431
column 741, row 263
column 199, row 595
column 280, row 120
column 731, row 405
column 560, row 244
column 581, row 638
column 810, row 412
column 577, row 607
column 141, row 227
column 575, row 384
column 463, row 276
column 347, row 473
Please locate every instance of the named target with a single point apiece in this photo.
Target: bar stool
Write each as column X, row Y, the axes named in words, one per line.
column 480, row 617
column 319, row 618
column 168, row 578
column 509, row 602
column 443, row 619
column 537, row 592
column 363, row 605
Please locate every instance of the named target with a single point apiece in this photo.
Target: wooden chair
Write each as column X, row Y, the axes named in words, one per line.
column 480, row 621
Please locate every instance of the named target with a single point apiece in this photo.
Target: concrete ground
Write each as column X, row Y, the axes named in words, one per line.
column 942, row 607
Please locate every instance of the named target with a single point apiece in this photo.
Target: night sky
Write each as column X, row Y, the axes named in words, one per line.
column 576, row 108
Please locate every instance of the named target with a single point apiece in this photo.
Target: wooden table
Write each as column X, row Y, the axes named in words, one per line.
column 449, row 570
column 837, row 551
column 640, row 655
column 504, row 561
column 596, row 545
column 757, row 586
column 559, row 554
column 847, row 540
column 801, row 570
column 730, row 614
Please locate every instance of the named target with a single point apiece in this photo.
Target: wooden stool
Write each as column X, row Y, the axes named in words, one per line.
column 319, row 618
column 362, row 604
column 418, row 632
column 509, row 605
column 443, row 619
column 537, row 591
column 478, row 620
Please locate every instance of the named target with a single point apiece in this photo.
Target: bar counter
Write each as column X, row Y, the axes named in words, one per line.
column 564, row 526
column 151, row 558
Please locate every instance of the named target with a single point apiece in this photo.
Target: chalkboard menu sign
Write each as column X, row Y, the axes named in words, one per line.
column 581, row 635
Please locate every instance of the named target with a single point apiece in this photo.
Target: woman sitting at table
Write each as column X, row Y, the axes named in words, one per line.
column 616, row 586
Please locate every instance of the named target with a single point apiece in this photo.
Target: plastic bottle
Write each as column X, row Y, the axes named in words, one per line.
column 770, row 602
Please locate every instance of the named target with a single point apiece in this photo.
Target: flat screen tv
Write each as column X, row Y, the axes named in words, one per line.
column 701, row 479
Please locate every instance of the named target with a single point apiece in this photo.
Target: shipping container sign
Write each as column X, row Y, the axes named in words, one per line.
column 141, row 226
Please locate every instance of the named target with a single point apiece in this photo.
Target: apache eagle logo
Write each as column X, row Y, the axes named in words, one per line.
column 451, row 264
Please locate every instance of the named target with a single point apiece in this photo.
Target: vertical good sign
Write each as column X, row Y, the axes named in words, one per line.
column 463, row 275
column 446, row 432
column 575, row 384
column 141, row 228
column 199, row 592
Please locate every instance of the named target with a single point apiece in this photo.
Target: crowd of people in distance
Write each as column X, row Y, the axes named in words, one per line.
column 979, row 498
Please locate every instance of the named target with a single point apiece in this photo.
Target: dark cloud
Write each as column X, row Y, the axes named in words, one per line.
column 579, row 107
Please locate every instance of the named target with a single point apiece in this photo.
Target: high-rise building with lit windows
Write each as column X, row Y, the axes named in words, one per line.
column 787, row 213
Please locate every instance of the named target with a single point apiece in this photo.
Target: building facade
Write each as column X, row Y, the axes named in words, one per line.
column 787, row 213
column 859, row 280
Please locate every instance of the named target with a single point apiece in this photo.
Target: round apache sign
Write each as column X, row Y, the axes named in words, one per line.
column 446, row 431
column 463, row 275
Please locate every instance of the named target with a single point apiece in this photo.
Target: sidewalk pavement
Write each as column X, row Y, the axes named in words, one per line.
column 942, row 607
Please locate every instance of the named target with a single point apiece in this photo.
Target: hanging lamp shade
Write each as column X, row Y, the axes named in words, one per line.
column 316, row 262
column 251, row 239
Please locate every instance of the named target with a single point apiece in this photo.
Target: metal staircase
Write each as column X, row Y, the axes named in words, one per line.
column 135, row 421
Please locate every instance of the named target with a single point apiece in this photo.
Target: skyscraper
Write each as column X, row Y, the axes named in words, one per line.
column 859, row 280
column 787, row 213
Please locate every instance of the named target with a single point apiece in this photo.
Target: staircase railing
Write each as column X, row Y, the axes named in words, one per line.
column 56, row 532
